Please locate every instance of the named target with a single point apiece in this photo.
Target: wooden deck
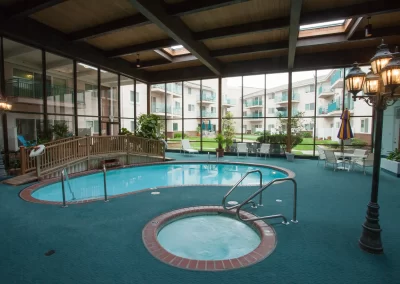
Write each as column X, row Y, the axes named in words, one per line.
column 22, row 179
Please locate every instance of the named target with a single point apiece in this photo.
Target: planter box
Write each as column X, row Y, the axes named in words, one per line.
column 391, row 166
column 289, row 156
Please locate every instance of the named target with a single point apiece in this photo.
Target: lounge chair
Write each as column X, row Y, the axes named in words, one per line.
column 25, row 143
column 242, row 148
column 321, row 155
column 264, row 149
column 330, row 158
column 187, row 148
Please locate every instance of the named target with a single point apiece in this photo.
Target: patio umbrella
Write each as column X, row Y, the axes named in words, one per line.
column 209, row 125
column 345, row 128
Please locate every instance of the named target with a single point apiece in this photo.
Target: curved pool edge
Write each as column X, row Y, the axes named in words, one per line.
column 26, row 193
column 267, row 244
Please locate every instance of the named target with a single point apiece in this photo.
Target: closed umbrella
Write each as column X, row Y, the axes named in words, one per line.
column 203, row 125
column 345, row 132
column 209, row 125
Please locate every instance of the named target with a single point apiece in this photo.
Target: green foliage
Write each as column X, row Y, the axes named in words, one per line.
column 60, row 129
column 306, row 134
column 228, row 129
column 267, row 132
column 296, row 122
column 179, row 135
column 198, row 129
column 358, row 142
column 124, row 131
column 280, row 138
column 220, row 139
column 148, row 126
column 394, row 155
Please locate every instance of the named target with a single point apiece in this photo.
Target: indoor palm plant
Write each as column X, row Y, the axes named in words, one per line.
column 220, row 139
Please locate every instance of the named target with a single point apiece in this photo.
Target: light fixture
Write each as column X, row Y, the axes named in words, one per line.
column 137, row 61
column 371, row 84
column 368, row 29
column 355, row 79
column 381, row 58
column 391, row 72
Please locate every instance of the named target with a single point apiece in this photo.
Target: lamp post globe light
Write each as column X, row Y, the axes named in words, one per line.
column 385, row 66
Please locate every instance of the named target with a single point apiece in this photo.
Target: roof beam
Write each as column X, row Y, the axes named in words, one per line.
column 179, row 9
column 177, row 30
column 295, row 11
column 250, row 48
column 33, row 33
column 151, row 45
column 176, row 59
column 163, row 54
column 354, row 27
column 26, row 8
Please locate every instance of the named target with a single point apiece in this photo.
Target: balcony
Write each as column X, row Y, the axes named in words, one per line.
column 22, row 88
column 335, row 106
column 282, row 99
column 228, row 102
column 207, row 98
column 284, row 113
column 177, row 111
column 159, row 109
column 253, row 103
column 324, row 92
column 173, row 89
column 253, row 116
column 337, row 79
column 205, row 113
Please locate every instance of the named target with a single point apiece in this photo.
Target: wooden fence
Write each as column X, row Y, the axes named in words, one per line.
column 61, row 153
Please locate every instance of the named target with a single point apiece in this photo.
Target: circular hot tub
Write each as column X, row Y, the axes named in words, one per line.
column 208, row 238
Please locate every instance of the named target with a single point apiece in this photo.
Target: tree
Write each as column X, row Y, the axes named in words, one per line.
column 228, row 129
column 296, row 123
column 148, row 126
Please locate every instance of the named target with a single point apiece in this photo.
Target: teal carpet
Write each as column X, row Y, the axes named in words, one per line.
column 101, row 242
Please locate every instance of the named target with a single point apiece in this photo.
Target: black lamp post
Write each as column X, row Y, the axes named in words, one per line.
column 387, row 65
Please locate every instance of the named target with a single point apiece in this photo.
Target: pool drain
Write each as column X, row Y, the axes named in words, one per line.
column 50, row 252
column 278, row 200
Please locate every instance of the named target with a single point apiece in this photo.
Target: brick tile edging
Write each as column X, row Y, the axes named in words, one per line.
column 264, row 249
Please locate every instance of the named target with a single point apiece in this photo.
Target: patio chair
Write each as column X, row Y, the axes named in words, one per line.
column 365, row 162
column 25, row 143
column 264, row 149
column 187, row 148
column 242, row 148
column 330, row 158
column 321, row 155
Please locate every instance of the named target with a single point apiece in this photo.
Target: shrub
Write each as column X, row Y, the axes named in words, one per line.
column 179, row 135
column 296, row 139
column 394, row 155
column 124, row 131
column 306, row 134
column 358, row 142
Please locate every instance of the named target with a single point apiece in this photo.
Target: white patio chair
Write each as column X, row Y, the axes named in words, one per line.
column 330, row 158
column 321, row 155
column 242, row 148
column 365, row 162
column 264, row 149
column 187, row 148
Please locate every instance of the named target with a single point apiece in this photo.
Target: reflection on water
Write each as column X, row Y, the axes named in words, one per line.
column 133, row 179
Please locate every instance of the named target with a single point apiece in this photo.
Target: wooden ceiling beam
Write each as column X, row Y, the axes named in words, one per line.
column 163, row 54
column 179, row 9
column 177, row 30
column 250, row 48
column 151, row 45
column 26, row 8
column 295, row 11
column 176, row 59
column 354, row 27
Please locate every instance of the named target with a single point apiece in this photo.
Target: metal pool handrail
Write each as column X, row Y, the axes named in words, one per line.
column 236, row 185
column 105, row 183
column 64, row 176
column 294, row 220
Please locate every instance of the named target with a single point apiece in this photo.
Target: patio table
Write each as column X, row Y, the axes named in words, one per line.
column 347, row 155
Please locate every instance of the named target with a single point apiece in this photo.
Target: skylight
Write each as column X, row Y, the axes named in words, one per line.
column 322, row 25
column 176, row 47
column 91, row 67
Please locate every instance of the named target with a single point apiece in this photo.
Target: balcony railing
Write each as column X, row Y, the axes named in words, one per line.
column 177, row 111
column 336, row 76
column 208, row 97
column 18, row 87
column 160, row 108
column 253, row 115
column 284, row 113
column 284, row 98
column 334, row 106
column 227, row 101
column 324, row 90
column 172, row 88
column 250, row 103
column 205, row 113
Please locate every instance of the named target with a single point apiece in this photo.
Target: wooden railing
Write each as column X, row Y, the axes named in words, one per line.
column 66, row 151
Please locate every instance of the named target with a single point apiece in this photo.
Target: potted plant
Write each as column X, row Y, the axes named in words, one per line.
column 391, row 163
column 220, row 139
column 198, row 130
column 295, row 140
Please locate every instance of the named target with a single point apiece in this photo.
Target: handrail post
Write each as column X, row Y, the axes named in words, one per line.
column 22, row 155
column 294, row 220
column 38, row 166
column 260, row 200
column 105, row 183
column 88, row 151
column 63, row 188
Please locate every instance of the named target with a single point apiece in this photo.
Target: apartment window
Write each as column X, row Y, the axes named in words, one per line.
column 271, row 126
column 94, row 124
column 310, row 88
column 190, row 107
column 189, row 91
column 177, row 105
column 271, row 110
column 134, row 96
column 310, row 106
column 271, row 96
column 337, row 124
column 132, row 126
column 175, row 126
column 213, row 109
column 364, row 125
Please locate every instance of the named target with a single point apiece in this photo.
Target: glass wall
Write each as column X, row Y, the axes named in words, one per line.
column 109, row 103
column 127, row 102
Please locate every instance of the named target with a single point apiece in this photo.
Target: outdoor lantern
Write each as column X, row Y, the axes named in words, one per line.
column 371, row 84
column 381, row 58
column 355, row 79
column 391, row 72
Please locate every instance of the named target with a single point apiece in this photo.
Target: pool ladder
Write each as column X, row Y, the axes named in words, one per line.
column 259, row 192
column 64, row 177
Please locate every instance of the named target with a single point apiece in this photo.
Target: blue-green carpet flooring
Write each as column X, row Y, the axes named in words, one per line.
column 101, row 242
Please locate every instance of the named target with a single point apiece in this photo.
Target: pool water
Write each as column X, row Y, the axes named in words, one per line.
column 121, row 181
column 208, row 237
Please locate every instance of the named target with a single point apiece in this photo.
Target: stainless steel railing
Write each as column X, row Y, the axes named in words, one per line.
column 64, row 176
column 294, row 220
column 249, row 201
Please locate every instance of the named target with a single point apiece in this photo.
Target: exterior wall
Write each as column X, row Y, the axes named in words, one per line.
column 391, row 129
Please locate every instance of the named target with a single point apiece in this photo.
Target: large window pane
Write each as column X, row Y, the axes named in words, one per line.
column 192, row 131
column 158, row 101
column 87, row 90
column 129, row 124
column 23, row 76
column 141, row 99
column 88, row 126
column 174, row 101
column 60, row 86
column 330, row 92
column 24, row 129
column 231, row 106
column 192, row 100
column 253, row 106
column 128, row 98
column 209, row 130
column 62, row 126
column 277, row 87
